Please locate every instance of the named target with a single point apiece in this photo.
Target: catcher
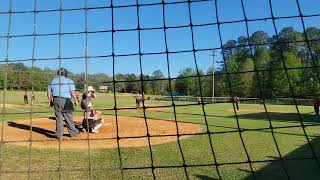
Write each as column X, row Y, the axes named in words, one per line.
column 92, row 121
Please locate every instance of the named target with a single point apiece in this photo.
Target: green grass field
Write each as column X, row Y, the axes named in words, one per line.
column 197, row 154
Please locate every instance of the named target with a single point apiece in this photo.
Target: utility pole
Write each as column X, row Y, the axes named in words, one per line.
column 213, row 54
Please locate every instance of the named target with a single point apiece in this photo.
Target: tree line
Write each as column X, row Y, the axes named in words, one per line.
column 279, row 66
column 257, row 66
column 283, row 65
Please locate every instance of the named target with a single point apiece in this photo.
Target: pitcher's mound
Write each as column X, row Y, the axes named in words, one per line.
column 130, row 130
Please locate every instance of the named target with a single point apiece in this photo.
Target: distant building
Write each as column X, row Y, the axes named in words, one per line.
column 103, row 88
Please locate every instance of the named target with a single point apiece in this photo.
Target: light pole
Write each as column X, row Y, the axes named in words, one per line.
column 213, row 54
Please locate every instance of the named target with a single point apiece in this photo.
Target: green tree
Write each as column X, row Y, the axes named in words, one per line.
column 158, row 86
column 232, row 76
column 147, row 89
column 289, row 40
column 246, row 78
column 207, row 83
column 184, row 85
column 229, row 48
column 262, row 75
column 279, row 78
column 132, row 86
column 292, row 61
column 259, row 38
column 310, row 78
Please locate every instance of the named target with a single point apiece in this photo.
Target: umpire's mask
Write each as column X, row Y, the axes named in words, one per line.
column 62, row 72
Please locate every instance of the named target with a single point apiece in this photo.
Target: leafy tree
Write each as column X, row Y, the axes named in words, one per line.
column 259, row 38
column 262, row 61
column 229, row 48
column 246, row 78
column 220, row 86
column 289, row 40
column 207, row 83
column 184, row 85
column 292, row 61
column 158, row 86
column 268, row 61
column 232, row 76
column 131, row 85
column 281, row 77
column 147, row 89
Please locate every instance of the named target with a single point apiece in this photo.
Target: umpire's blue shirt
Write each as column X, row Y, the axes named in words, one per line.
column 65, row 88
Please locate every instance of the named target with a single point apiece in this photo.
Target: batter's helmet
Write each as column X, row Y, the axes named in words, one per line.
column 62, row 72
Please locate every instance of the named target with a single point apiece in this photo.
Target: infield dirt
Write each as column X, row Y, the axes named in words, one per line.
column 18, row 133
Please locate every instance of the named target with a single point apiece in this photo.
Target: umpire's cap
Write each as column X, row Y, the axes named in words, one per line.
column 62, row 72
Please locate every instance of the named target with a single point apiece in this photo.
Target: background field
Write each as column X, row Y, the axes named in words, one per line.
column 197, row 154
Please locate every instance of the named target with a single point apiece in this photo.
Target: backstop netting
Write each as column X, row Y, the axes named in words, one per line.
column 229, row 88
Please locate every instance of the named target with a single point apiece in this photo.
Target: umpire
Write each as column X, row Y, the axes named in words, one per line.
column 60, row 92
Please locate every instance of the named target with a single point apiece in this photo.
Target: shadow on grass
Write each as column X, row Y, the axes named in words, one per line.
column 300, row 164
column 274, row 116
column 278, row 116
column 48, row 133
column 180, row 121
column 221, row 126
column 193, row 114
column 202, row 177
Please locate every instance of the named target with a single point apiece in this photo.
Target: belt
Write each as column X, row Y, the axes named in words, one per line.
column 60, row 97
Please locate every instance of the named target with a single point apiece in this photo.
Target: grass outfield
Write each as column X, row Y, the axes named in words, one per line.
column 196, row 150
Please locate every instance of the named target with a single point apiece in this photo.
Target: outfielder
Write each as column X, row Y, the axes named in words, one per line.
column 237, row 101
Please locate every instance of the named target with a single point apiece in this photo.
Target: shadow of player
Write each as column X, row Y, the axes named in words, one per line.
column 48, row 133
column 52, row 118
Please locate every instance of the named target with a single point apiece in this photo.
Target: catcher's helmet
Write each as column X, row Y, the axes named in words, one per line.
column 62, row 72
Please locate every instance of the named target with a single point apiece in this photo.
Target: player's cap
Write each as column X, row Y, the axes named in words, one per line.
column 90, row 88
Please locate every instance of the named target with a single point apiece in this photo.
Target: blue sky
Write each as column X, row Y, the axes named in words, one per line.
column 152, row 41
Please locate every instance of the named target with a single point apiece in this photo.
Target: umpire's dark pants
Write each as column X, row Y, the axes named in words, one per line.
column 62, row 113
